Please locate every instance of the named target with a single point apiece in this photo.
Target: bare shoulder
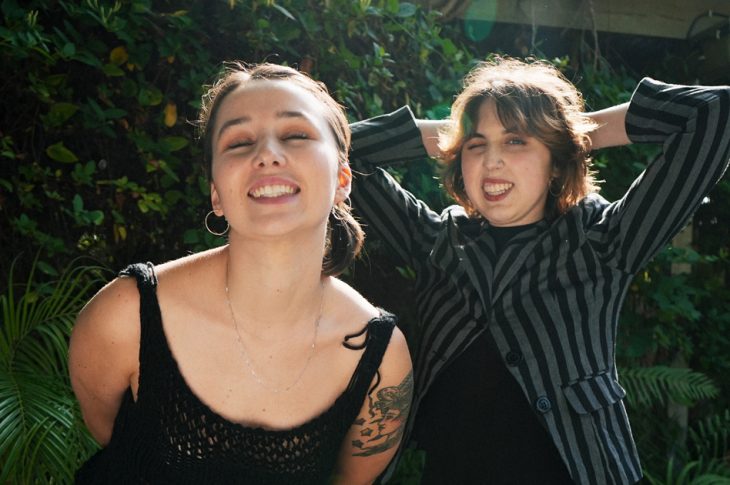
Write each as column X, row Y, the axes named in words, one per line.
column 397, row 358
column 112, row 314
column 356, row 311
column 350, row 305
column 182, row 278
column 110, row 321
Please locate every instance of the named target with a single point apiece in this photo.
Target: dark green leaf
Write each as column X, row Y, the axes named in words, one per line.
column 150, row 96
column 173, row 143
column 60, row 153
column 68, row 50
column 406, row 9
column 114, row 113
column 112, row 70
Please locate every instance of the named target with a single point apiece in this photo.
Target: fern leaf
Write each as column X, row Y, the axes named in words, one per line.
column 711, row 437
column 646, row 386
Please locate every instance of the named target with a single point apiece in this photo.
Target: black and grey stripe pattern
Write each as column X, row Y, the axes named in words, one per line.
column 551, row 299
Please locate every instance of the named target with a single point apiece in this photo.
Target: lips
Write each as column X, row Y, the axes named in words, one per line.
column 272, row 188
column 496, row 189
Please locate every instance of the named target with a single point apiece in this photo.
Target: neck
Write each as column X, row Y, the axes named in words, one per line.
column 274, row 286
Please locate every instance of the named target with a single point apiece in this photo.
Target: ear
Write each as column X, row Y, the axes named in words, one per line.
column 344, row 182
column 554, row 173
column 215, row 200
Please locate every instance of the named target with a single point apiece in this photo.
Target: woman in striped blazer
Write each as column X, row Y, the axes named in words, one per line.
column 520, row 285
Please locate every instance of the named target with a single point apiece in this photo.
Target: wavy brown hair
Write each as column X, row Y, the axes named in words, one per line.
column 344, row 234
column 534, row 98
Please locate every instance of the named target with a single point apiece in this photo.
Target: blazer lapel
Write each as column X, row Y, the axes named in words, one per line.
column 479, row 256
column 475, row 255
column 444, row 252
column 516, row 254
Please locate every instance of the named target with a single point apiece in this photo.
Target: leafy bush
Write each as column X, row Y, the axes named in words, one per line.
column 99, row 159
column 96, row 141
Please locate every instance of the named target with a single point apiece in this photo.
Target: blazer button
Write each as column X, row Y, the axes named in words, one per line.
column 513, row 358
column 543, row 404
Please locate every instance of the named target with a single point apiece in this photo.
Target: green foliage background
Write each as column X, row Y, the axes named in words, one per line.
column 98, row 159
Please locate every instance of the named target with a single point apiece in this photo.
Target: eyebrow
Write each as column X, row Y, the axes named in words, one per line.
column 246, row 119
column 505, row 131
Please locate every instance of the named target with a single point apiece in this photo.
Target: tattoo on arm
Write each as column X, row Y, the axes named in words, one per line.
column 388, row 412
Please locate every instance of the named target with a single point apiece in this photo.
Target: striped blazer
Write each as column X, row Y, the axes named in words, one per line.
column 551, row 299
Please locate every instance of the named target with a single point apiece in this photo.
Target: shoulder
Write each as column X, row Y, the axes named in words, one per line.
column 453, row 212
column 353, row 312
column 594, row 199
column 112, row 311
column 589, row 210
column 193, row 266
column 106, row 335
column 396, row 364
column 182, row 280
column 350, row 309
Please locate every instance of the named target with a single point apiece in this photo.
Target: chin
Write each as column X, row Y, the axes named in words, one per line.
column 498, row 221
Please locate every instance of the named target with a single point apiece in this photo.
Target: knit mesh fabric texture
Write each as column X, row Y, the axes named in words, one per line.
column 170, row 436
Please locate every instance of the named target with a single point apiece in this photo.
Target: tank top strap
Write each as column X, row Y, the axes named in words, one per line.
column 379, row 331
column 151, row 334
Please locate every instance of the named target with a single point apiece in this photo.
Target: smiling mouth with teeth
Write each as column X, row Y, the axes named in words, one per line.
column 496, row 189
column 270, row 191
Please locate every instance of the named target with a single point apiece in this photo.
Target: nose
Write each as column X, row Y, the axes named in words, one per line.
column 269, row 153
column 492, row 158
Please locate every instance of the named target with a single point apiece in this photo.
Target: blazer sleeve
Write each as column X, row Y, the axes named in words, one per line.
column 407, row 225
column 692, row 123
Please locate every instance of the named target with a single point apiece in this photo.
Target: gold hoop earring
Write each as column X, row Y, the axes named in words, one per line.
column 207, row 225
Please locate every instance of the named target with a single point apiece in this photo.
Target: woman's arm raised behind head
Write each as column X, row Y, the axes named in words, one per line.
column 611, row 130
column 430, row 130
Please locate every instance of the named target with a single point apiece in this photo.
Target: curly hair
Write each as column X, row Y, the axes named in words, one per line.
column 531, row 97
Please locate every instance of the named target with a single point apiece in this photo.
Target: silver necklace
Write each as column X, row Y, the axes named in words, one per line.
column 247, row 359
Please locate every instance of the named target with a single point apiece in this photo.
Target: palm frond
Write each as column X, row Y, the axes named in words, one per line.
column 37, row 416
column 711, row 437
column 711, row 479
column 697, row 472
column 647, row 386
column 42, row 439
column 36, row 325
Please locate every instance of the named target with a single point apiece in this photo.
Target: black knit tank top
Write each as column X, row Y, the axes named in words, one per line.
column 169, row 436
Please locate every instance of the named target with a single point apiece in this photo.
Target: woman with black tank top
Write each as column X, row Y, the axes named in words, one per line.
column 519, row 287
column 249, row 363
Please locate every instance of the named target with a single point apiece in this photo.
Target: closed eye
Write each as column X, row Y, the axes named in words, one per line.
column 297, row 136
column 238, row 144
column 475, row 145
